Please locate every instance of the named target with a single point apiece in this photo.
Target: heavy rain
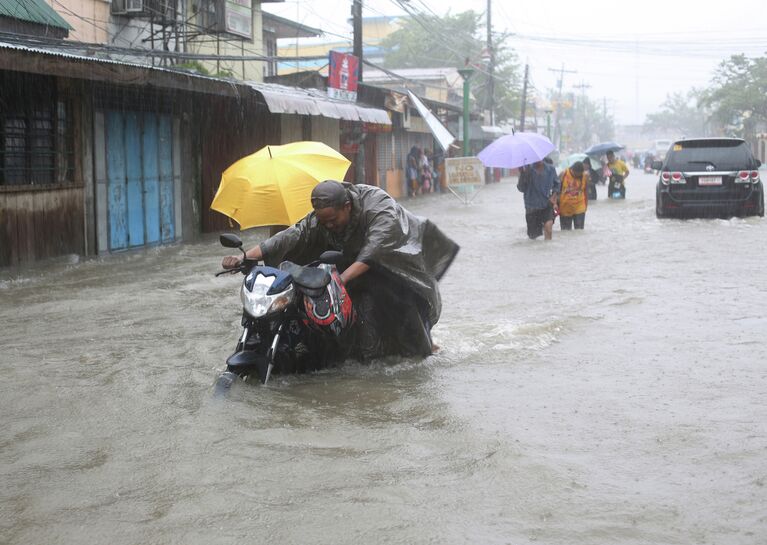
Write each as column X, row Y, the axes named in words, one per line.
column 605, row 386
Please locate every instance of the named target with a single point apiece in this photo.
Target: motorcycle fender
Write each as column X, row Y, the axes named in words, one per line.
column 245, row 360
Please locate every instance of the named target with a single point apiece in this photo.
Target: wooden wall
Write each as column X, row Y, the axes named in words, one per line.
column 38, row 223
column 227, row 131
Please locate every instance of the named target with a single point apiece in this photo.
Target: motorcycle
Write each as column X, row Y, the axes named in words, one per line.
column 295, row 318
column 616, row 189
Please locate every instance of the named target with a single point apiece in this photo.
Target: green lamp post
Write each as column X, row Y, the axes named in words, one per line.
column 466, row 74
column 548, row 124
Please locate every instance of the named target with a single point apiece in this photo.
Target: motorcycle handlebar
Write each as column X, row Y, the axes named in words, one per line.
column 244, row 267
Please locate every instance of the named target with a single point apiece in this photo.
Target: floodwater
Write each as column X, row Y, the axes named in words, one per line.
column 608, row 387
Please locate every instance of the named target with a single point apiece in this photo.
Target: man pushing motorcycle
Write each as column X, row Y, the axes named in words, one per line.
column 396, row 260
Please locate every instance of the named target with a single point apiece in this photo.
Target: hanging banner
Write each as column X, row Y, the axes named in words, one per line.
column 343, row 76
column 441, row 134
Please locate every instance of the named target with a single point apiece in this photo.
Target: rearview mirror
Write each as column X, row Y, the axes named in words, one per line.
column 230, row 240
column 657, row 165
column 331, row 257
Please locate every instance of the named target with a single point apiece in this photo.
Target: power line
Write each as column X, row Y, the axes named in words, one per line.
column 37, row 41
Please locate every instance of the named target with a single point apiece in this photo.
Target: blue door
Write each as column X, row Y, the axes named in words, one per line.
column 167, row 208
column 151, row 183
column 139, row 159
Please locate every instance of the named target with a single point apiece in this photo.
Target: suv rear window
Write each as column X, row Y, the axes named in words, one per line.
column 695, row 155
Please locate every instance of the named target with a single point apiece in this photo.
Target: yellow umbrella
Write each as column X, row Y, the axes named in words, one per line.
column 273, row 186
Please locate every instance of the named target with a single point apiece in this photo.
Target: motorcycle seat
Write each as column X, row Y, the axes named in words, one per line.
column 306, row 277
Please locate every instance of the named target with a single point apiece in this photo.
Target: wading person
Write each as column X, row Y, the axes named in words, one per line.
column 618, row 174
column 396, row 261
column 593, row 178
column 573, row 197
column 540, row 185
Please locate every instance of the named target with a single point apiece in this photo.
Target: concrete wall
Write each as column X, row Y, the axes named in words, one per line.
column 89, row 18
column 245, row 70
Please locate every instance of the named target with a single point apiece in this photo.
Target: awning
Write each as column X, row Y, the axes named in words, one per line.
column 443, row 136
column 281, row 99
column 493, row 131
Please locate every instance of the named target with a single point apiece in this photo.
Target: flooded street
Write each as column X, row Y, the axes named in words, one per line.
column 606, row 387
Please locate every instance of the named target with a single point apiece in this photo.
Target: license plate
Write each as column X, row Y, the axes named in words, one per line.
column 710, row 180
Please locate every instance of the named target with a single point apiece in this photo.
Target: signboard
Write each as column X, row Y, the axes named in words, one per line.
column 463, row 175
column 238, row 17
column 343, row 76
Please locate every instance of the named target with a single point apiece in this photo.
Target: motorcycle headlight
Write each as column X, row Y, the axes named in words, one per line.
column 255, row 300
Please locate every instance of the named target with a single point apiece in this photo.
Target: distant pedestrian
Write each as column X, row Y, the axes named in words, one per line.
column 593, row 178
column 573, row 197
column 412, row 171
column 540, row 185
column 427, row 181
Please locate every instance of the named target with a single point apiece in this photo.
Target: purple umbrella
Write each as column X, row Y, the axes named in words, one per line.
column 516, row 150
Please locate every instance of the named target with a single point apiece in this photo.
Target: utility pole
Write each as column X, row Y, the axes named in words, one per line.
column 357, row 29
column 582, row 86
column 557, row 129
column 583, row 129
column 524, row 100
column 466, row 74
column 491, row 64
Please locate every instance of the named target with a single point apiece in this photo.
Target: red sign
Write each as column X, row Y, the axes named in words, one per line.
column 343, row 76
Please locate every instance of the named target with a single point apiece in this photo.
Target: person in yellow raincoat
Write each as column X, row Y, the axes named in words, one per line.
column 573, row 197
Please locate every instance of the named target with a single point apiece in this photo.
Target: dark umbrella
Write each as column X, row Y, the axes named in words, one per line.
column 602, row 148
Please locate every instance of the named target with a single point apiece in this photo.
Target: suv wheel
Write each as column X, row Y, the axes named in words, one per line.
column 659, row 213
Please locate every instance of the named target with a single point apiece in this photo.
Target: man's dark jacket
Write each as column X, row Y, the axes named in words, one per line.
column 382, row 234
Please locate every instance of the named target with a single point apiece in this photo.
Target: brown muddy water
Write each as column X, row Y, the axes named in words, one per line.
column 609, row 387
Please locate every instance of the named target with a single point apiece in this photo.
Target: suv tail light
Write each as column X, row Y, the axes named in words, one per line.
column 672, row 178
column 746, row 176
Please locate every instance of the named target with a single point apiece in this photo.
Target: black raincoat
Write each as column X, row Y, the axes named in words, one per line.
column 398, row 299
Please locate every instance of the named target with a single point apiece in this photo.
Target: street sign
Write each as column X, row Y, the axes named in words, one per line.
column 464, row 176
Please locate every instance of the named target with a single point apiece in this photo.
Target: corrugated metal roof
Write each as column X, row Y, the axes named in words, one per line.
column 295, row 100
column 33, row 11
column 278, row 98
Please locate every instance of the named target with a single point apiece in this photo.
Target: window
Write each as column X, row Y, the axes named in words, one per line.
column 122, row 7
column 270, row 43
column 207, row 18
column 35, row 132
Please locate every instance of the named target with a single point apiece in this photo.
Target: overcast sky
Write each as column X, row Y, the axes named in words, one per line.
column 629, row 56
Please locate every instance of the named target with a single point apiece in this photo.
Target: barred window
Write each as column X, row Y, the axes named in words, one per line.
column 36, row 141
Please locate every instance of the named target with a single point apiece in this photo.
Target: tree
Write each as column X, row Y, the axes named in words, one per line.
column 736, row 97
column 583, row 121
column 681, row 114
column 430, row 41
